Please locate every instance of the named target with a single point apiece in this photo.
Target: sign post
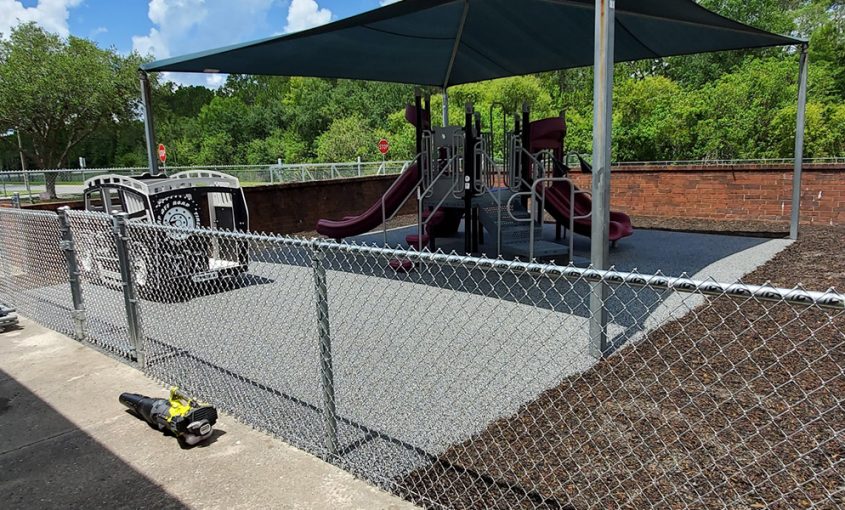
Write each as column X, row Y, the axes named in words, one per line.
column 383, row 147
column 162, row 154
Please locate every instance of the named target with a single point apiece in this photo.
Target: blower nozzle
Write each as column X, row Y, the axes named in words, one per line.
column 187, row 419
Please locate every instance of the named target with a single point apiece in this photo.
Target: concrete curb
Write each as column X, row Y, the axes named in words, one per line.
column 67, row 442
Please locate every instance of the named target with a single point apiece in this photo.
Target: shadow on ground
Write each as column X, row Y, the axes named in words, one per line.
column 48, row 462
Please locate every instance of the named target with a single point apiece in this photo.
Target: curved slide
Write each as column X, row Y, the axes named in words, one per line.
column 549, row 134
column 372, row 217
column 557, row 203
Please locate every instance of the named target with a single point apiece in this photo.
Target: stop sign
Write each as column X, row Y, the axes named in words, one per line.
column 162, row 153
column 383, row 146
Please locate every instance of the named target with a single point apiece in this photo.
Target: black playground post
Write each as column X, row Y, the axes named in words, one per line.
column 524, row 159
column 469, row 172
column 526, row 145
column 420, row 159
column 418, row 121
column 478, row 236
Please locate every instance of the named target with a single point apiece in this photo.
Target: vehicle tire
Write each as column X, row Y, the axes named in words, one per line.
column 87, row 263
column 152, row 282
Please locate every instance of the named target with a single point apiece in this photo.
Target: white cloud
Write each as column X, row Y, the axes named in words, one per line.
column 174, row 20
column 305, row 14
column 52, row 15
column 215, row 80
column 187, row 26
column 386, row 2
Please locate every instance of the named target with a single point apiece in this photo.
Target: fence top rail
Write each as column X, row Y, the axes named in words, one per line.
column 33, row 213
column 830, row 298
column 727, row 162
column 274, row 166
column 399, row 163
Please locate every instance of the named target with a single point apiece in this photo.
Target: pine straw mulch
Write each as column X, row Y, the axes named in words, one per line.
column 736, row 404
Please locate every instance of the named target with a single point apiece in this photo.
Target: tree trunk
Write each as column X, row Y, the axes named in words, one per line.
column 50, row 183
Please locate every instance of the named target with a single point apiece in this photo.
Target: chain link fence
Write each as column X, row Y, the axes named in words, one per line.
column 465, row 382
column 70, row 180
column 34, row 275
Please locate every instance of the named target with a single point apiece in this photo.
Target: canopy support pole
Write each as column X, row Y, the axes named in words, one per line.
column 799, row 144
column 149, row 129
column 445, row 107
column 456, row 45
column 602, row 124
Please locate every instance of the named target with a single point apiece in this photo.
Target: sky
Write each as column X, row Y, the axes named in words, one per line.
column 167, row 28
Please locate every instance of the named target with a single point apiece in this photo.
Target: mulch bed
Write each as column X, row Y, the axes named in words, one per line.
column 744, row 227
column 737, row 404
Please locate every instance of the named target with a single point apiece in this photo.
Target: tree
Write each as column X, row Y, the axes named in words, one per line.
column 58, row 91
column 346, row 140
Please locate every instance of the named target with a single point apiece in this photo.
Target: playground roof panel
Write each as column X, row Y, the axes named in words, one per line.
column 449, row 42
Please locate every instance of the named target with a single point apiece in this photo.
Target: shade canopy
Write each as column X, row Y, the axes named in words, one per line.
column 449, row 42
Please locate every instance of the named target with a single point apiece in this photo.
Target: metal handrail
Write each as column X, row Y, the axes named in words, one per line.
column 395, row 183
column 421, row 224
column 572, row 217
column 542, row 201
column 497, row 197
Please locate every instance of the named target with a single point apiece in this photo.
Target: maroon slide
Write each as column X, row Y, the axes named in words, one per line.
column 372, row 217
column 549, row 134
column 557, row 204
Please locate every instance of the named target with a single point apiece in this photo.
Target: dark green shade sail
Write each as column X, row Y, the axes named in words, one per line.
column 449, row 42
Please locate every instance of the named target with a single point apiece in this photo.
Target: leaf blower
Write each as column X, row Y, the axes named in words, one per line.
column 190, row 421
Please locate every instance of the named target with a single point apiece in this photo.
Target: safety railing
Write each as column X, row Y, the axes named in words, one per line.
column 463, row 382
column 450, row 168
column 70, row 181
column 386, row 217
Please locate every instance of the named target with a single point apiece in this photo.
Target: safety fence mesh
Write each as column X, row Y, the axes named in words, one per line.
column 71, row 180
column 465, row 382
column 33, row 270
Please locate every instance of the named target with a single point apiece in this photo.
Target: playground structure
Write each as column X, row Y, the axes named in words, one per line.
column 456, row 177
column 473, row 381
column 186, row 200
column 441, row 43
column 444, row 385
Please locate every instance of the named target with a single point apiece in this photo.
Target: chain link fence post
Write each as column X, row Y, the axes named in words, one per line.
column 326, row 369
column 127, row 282
column 69, row 249
column 598, row 319
column 16, row 200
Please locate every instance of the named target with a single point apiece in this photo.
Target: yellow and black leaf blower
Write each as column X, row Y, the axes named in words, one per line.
column 190, row 421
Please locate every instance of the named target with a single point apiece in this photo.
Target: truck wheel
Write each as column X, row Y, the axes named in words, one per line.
column 88, row 265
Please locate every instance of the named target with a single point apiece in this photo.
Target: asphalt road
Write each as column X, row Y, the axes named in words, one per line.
column 61, row 189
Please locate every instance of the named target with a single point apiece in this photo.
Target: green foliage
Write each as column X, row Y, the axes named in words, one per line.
column 723, row 105
column 58, row 91
column 347, row 139
column 652, row 118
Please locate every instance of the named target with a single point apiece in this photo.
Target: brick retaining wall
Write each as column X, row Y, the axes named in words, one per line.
column 733, row 192
column 296, row 207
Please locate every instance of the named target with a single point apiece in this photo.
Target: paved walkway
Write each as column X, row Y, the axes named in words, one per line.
column 65, row 441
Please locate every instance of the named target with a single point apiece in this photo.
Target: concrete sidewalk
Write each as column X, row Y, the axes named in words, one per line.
column 65, row 441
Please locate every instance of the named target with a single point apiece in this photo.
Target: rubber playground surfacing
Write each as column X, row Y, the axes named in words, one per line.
column 646, row 251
